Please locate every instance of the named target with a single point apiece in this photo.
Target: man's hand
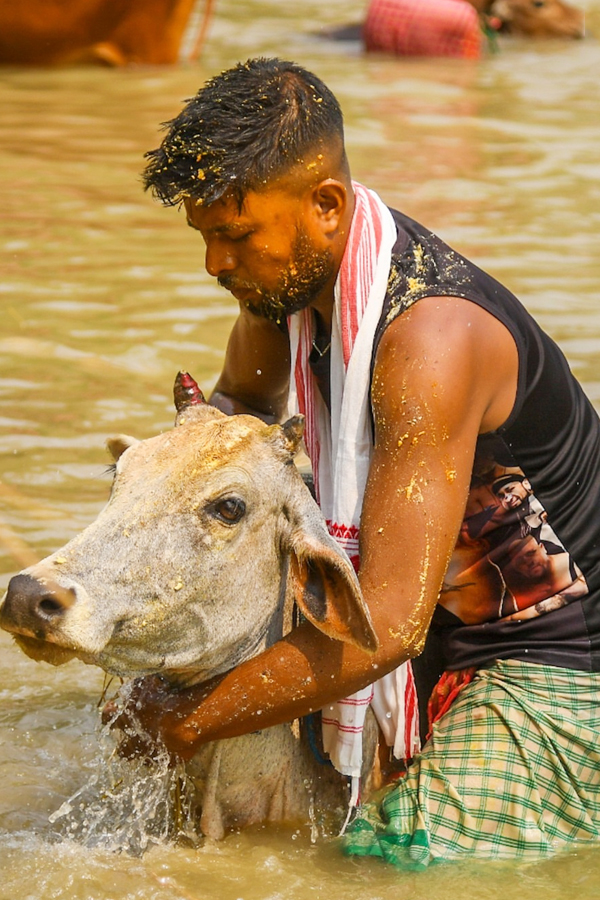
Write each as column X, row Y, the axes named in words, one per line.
column 150, row 716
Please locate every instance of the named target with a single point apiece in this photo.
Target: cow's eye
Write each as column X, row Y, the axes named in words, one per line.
column 229, row 510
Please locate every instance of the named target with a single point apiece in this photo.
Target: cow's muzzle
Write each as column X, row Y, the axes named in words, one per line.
column 35, row 608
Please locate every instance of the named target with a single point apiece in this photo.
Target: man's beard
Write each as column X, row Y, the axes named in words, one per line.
column 307, row 274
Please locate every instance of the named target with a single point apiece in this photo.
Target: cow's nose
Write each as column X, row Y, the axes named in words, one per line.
column 33, row 606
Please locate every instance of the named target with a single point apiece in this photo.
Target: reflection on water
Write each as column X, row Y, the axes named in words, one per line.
column 103, row 299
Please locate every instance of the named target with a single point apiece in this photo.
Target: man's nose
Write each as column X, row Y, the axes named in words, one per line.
column 219, row 259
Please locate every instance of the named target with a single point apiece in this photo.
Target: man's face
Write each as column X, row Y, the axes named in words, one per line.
column 532, row 560
column 514, row 493
column 267, row 254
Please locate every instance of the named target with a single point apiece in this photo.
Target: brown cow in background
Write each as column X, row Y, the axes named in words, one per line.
column 105, row 32
column 534, row 18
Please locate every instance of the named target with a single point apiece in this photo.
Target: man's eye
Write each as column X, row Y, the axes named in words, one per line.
column 236, row 238
column 230, row 510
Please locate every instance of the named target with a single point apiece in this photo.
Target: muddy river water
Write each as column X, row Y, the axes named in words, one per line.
column 103, row 298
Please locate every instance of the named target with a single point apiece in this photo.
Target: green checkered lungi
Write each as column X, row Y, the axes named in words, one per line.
column 512, row 770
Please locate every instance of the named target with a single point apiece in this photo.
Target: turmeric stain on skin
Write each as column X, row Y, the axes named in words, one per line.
column 412, row 632
column 413, row 490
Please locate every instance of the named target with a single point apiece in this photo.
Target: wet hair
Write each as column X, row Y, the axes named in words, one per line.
column 245, row 127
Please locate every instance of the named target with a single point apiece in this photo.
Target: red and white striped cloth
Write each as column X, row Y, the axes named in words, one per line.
column 340, row 446
column 423, row 28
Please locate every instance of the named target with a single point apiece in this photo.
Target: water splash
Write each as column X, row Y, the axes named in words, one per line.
column 129, row 805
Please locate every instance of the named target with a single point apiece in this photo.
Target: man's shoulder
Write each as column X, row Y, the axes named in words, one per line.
column 423, row 265
column 408, row 230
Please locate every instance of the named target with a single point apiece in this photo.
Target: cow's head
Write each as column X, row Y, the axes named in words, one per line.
column 208, row 537
column 539, row 18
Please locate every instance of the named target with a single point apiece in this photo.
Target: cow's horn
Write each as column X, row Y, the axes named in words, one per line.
column 186, row 392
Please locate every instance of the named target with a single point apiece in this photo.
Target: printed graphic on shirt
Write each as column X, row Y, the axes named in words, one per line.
column 508, row 562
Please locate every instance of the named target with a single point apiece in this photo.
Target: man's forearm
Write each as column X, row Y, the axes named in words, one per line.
column 232, row 407
column 298, row 675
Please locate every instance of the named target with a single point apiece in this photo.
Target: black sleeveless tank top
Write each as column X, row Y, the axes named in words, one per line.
column 524, row 580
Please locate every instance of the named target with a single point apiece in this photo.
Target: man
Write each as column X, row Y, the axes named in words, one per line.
column 512, row 490
column 414, row 369
column 538, row 580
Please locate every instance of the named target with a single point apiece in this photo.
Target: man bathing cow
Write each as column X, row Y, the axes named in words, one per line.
column 463, row 28
column 424, row 383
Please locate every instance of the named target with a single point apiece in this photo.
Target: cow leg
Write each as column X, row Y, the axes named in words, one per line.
column 108, row 54
column 104, row 53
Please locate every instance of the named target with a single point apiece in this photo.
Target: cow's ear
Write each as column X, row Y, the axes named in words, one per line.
column 293, row 431
column 287, row 438
column 323, row 580
column 119, row 443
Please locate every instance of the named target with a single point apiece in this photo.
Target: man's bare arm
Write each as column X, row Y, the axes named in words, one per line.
column 255, row 376
column 446, row 371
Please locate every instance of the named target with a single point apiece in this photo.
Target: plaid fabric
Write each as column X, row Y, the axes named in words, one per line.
column 511, row 771
column 423, row 28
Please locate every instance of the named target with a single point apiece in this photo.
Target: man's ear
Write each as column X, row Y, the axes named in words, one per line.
column 330, row 200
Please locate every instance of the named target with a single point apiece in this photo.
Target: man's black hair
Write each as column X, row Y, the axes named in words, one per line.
column 246, row 126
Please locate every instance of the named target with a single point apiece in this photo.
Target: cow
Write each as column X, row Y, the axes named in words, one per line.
column 534, row 18
column 455, row 28
column 209, row 542
column 103, row 32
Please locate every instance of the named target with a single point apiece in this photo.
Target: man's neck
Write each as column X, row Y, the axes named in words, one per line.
column 323, row 308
